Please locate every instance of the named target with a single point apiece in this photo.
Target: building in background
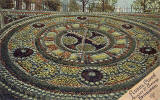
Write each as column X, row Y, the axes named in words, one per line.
column 124, row 6
column 28, row 4
column 22, row 4
column 6, row 4
column 64, row 5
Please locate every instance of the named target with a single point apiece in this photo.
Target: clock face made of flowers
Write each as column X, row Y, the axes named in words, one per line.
column 76, row 56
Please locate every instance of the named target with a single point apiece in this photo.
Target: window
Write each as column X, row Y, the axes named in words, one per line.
column 23, row 5
column 33, row 6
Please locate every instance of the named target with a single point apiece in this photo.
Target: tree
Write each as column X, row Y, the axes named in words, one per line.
column 73, row 6
column 102, row 6
column 146, row 5
column 92, row 7
column 108, row 5
column 1, row 3
column 84, row 3
column 6, row 4
column 53, row 5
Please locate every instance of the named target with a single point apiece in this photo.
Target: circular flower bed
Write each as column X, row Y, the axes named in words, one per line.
column 77, row 57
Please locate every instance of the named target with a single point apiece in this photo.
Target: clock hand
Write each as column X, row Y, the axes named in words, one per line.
column 83, row 44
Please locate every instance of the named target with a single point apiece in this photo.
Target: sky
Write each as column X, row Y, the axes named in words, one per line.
column 124, row 3
column 121, row 5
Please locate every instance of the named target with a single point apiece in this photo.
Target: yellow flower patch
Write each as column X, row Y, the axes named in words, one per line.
column 61, row 28
column 47, row 43
column 110, row 69
column 100, row 56
column 104, row 28
column 116, row 50
column 46, row 70
column 37, row 58
column 116, row 34
column 27, row 65
column 58, row 52
column 73, row 56
column 137, row 57
column 121, row 41
column 51, row 34
column 75, row 25
column 117, row 78
column 70, row 70
column 65, row 81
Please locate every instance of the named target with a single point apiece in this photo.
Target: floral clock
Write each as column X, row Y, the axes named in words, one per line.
column 76, row 56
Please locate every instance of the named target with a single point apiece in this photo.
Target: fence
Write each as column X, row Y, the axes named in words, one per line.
column 137, row 10
column 9, row 14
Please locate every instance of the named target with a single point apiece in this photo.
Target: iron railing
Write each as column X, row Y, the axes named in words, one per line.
column 24, row 13
column 137, row 10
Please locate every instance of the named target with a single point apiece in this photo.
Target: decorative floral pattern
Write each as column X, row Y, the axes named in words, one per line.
column 38, row 25
column 127, row 26
column 77, row 57
column 92, row 77
column 68, row 40
column 98, row 40
column 82, row 18
column 23, row 52
column 85, row 47
column 133, row 68
column 148, row 50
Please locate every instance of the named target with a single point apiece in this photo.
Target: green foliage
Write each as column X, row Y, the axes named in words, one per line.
column 53, row 5
column 84, row 3
column 6, row 4
column 147, row 5
column 102, row 5
column 74, row 6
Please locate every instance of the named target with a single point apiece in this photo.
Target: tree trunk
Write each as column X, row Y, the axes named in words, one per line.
column 83, row 5
column 28, row 5
column 144, row 7
column 103, row 6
